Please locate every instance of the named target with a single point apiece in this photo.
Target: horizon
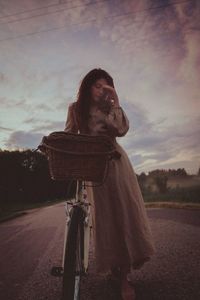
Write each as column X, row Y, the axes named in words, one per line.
column 146, row 173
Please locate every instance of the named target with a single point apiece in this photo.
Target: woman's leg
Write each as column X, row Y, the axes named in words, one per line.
column 127, row 290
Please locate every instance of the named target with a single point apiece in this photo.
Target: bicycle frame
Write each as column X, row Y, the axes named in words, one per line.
column 80, row 200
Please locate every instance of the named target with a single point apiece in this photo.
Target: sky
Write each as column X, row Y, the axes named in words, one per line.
column 149, row 47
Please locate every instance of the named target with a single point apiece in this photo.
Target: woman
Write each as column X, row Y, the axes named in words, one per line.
column 122, row 236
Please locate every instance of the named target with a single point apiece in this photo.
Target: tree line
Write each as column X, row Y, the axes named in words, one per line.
column 160, row 177
column 25, row 178
column 181, row 172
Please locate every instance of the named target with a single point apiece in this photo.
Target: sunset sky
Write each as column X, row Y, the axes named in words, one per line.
column 150, row 47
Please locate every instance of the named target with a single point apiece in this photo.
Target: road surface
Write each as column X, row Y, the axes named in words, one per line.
column 31, row 244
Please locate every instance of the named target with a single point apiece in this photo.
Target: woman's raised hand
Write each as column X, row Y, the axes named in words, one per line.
column 113, row 98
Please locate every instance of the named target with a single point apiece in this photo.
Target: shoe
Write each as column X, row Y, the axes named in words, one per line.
column 127, row 290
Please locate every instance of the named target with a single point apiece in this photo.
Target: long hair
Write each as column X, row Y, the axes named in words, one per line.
column 84, row 95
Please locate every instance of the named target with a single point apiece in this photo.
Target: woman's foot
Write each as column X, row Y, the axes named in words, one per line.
column 127, row 290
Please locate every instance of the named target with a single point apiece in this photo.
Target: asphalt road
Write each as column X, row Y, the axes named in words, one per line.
column 31, row 244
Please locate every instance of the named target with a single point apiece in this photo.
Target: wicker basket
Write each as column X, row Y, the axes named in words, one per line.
column 77, row 156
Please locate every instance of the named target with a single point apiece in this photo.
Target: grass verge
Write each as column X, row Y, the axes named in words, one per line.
column 163, row 204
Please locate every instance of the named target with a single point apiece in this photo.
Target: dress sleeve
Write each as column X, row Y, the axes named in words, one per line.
column 117, row 122
column 71, row 124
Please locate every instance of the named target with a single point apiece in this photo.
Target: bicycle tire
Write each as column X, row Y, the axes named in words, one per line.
column 74, row 253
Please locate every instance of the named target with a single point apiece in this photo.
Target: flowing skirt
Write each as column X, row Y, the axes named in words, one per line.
column 122, row 236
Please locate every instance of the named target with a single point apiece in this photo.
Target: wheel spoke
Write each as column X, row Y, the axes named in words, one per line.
column 77, row 287
column 73, row 265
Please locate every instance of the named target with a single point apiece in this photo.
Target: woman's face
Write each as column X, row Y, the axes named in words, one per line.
column 97, row 90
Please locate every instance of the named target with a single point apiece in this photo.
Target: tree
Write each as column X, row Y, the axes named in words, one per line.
column 25, row 178
column 141, row 180
column 161, row 182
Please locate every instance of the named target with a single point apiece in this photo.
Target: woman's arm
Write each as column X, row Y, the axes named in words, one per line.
column 116, row 121
column 71, row 124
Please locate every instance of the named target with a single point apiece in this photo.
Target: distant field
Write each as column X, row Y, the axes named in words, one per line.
column 174, row 182
column 183, row 182
column 179, row 189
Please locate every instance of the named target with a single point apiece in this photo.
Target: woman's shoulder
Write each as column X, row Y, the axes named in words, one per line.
column 72, row 105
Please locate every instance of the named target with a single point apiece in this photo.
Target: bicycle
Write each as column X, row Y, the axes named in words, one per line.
column 67, row 156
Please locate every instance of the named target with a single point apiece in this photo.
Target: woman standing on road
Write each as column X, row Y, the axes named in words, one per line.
column 122, row 236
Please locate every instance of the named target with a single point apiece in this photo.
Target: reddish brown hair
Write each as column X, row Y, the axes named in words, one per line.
column 84, row 95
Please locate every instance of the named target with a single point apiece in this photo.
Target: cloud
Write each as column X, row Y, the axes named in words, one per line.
column 23, row 140
column 156, row 148
column 5, row 129
column 30, row 139
column 2, row 77
column 7, row 102
column 50, row 127
column 152, row 145
column 24, row 105
column 59, row 16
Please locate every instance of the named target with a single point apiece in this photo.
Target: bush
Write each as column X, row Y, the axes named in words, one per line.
column 190, row 194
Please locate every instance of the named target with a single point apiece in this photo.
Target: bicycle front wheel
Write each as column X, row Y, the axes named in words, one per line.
column 74, row 256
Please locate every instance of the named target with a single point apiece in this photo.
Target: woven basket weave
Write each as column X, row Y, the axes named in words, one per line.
column 77, row 156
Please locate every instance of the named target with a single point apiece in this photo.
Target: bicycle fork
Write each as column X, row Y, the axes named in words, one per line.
column 81, row 200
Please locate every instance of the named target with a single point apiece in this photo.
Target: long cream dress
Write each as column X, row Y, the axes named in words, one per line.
column 122, row 236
